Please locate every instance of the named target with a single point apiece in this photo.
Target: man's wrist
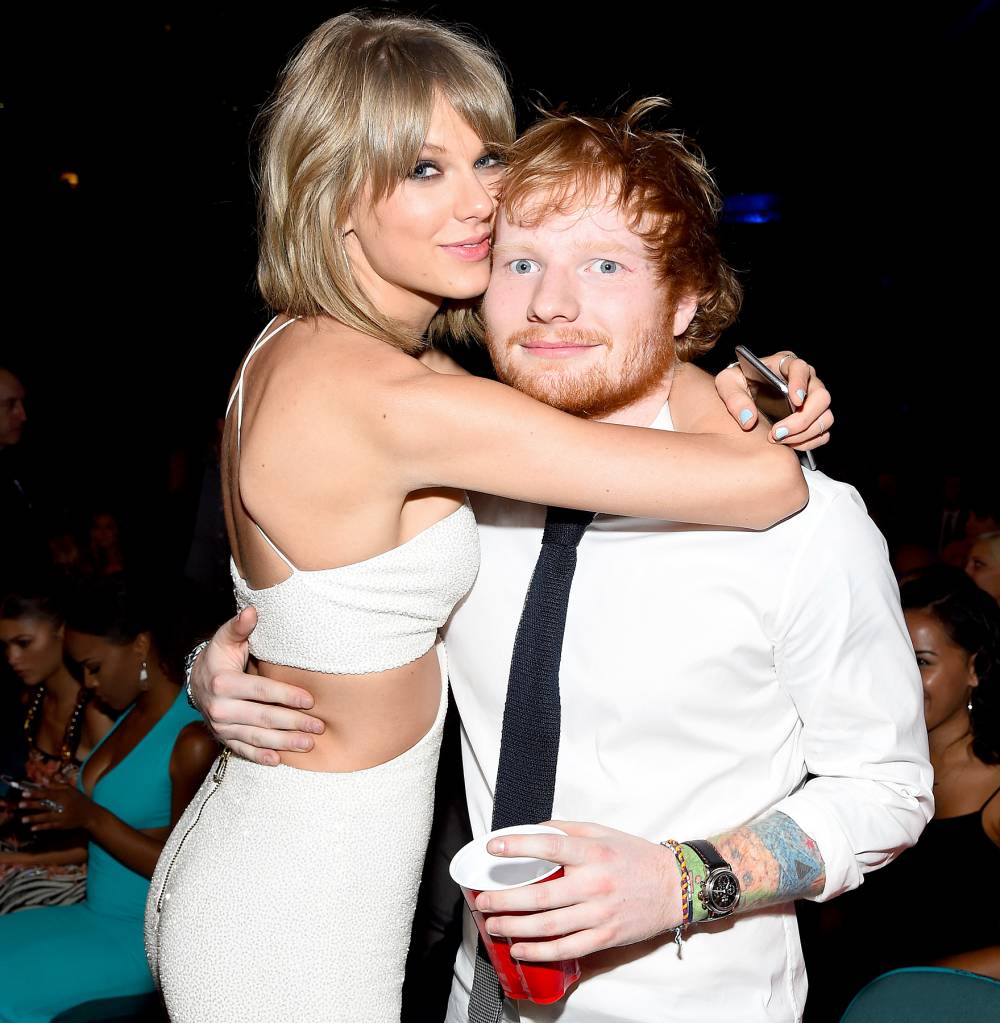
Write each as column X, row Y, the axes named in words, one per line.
column 692, row 874
column 189, row 663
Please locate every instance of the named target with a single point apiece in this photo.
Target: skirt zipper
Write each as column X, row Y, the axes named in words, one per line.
column 218, row 775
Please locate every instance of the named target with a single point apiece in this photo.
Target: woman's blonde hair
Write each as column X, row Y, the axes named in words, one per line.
column 353, row 108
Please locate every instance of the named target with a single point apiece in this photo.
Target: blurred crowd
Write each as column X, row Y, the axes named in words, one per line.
column 99, row 751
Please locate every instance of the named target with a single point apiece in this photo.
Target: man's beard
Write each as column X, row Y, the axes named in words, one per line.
column 593, row 393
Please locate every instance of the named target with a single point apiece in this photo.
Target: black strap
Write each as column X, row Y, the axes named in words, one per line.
column 990, row 800
column 709, row 854
column 529, row 744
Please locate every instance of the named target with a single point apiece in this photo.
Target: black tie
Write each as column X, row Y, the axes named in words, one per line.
column 529, row 744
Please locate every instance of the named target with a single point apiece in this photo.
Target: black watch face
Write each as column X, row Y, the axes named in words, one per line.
column 725, row 892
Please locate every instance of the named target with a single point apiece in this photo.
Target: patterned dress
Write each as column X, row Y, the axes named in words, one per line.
column 49, row 885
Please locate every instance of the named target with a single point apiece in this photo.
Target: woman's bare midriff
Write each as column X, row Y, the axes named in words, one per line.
column 370, row 719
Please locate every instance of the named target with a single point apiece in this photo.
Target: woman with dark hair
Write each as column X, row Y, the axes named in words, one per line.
column 929, row 907
column 130, row 792
column 61, row 726
column 955, row 629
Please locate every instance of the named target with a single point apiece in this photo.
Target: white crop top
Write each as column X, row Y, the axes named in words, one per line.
column 369, row 616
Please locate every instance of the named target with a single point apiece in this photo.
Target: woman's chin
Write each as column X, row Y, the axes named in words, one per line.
column 466, row 292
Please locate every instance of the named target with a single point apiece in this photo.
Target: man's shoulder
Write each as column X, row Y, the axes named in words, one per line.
column 830, row 501
column 828, row 496
column 833, row 525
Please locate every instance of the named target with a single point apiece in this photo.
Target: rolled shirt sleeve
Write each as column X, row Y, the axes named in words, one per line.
column 846, row 660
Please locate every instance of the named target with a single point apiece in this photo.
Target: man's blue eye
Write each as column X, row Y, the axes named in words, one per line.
column 606, row 266
column 523, row 266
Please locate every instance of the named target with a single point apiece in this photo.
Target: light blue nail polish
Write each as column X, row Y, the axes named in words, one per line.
column 781, row 433
column 745, row 416
column 801, row 394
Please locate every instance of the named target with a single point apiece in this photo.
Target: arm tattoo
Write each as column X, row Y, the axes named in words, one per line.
column 775, row 860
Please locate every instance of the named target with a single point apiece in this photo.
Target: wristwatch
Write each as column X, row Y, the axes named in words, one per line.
column 720, row 892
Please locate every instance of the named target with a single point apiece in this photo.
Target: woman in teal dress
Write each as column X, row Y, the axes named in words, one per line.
column 130, row 791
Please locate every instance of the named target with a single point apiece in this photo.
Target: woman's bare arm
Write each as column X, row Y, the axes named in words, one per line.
column 479, row 435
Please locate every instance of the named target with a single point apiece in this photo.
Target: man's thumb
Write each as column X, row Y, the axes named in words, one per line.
column 243, row 624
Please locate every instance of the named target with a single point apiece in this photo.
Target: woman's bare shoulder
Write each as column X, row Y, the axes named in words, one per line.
column 991, row 815
column 321, row 396
column 323, row 369
column 695, row 405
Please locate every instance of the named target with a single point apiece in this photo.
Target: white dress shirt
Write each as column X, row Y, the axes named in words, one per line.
column 705, row 672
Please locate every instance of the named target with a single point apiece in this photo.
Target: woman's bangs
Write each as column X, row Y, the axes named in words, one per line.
column 393, row 128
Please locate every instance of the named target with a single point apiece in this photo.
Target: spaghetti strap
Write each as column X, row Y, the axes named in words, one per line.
column 262, row 339
column 277, row 550
column 990, row 800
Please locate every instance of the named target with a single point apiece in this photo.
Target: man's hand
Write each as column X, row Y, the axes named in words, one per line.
column 617, row 889
column 254, row 716
column 803, row 430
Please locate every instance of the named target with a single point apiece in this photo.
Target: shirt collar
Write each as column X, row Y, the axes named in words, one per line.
column 663, row 420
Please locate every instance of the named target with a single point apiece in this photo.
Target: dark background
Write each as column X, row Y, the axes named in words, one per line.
column 130, row 298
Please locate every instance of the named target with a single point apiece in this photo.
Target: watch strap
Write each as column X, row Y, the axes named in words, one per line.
column 709, row 855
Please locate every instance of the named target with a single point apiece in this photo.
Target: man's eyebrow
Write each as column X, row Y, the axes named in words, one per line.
column 596, row 245
column 513, row 247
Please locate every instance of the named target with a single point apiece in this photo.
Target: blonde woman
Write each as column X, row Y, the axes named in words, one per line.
column 287, row 893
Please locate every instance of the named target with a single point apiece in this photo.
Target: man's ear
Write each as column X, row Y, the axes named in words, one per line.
column 687, row 306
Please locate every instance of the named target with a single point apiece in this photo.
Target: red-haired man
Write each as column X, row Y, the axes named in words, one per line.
column 705, row 672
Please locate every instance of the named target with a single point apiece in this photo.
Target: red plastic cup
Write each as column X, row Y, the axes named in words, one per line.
column 476, row 871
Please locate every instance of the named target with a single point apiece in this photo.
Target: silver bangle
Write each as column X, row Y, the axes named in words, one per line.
column 188, row 668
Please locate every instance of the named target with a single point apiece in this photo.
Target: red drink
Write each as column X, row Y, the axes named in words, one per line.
column 542, row 983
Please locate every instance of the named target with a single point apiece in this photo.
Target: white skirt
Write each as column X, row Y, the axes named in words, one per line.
column 287, row 895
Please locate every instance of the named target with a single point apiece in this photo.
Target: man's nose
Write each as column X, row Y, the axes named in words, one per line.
column 554, row 299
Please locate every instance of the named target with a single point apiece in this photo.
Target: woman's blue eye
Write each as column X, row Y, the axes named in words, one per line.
column 425, row 169
column 523, row 266
column 606, row 266
column 488, row 162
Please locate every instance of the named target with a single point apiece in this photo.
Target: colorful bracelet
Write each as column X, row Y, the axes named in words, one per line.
column 675, row 848
column 699, row 875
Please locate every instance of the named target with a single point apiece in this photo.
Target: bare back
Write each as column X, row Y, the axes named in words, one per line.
column 303, row 468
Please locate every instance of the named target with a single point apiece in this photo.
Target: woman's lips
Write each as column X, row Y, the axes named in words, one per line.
column 473, row 251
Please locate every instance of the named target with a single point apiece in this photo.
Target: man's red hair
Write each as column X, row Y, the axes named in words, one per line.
column 656, row 177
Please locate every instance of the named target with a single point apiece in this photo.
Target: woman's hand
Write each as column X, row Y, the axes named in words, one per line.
column 58, row 808
column 806, row 428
